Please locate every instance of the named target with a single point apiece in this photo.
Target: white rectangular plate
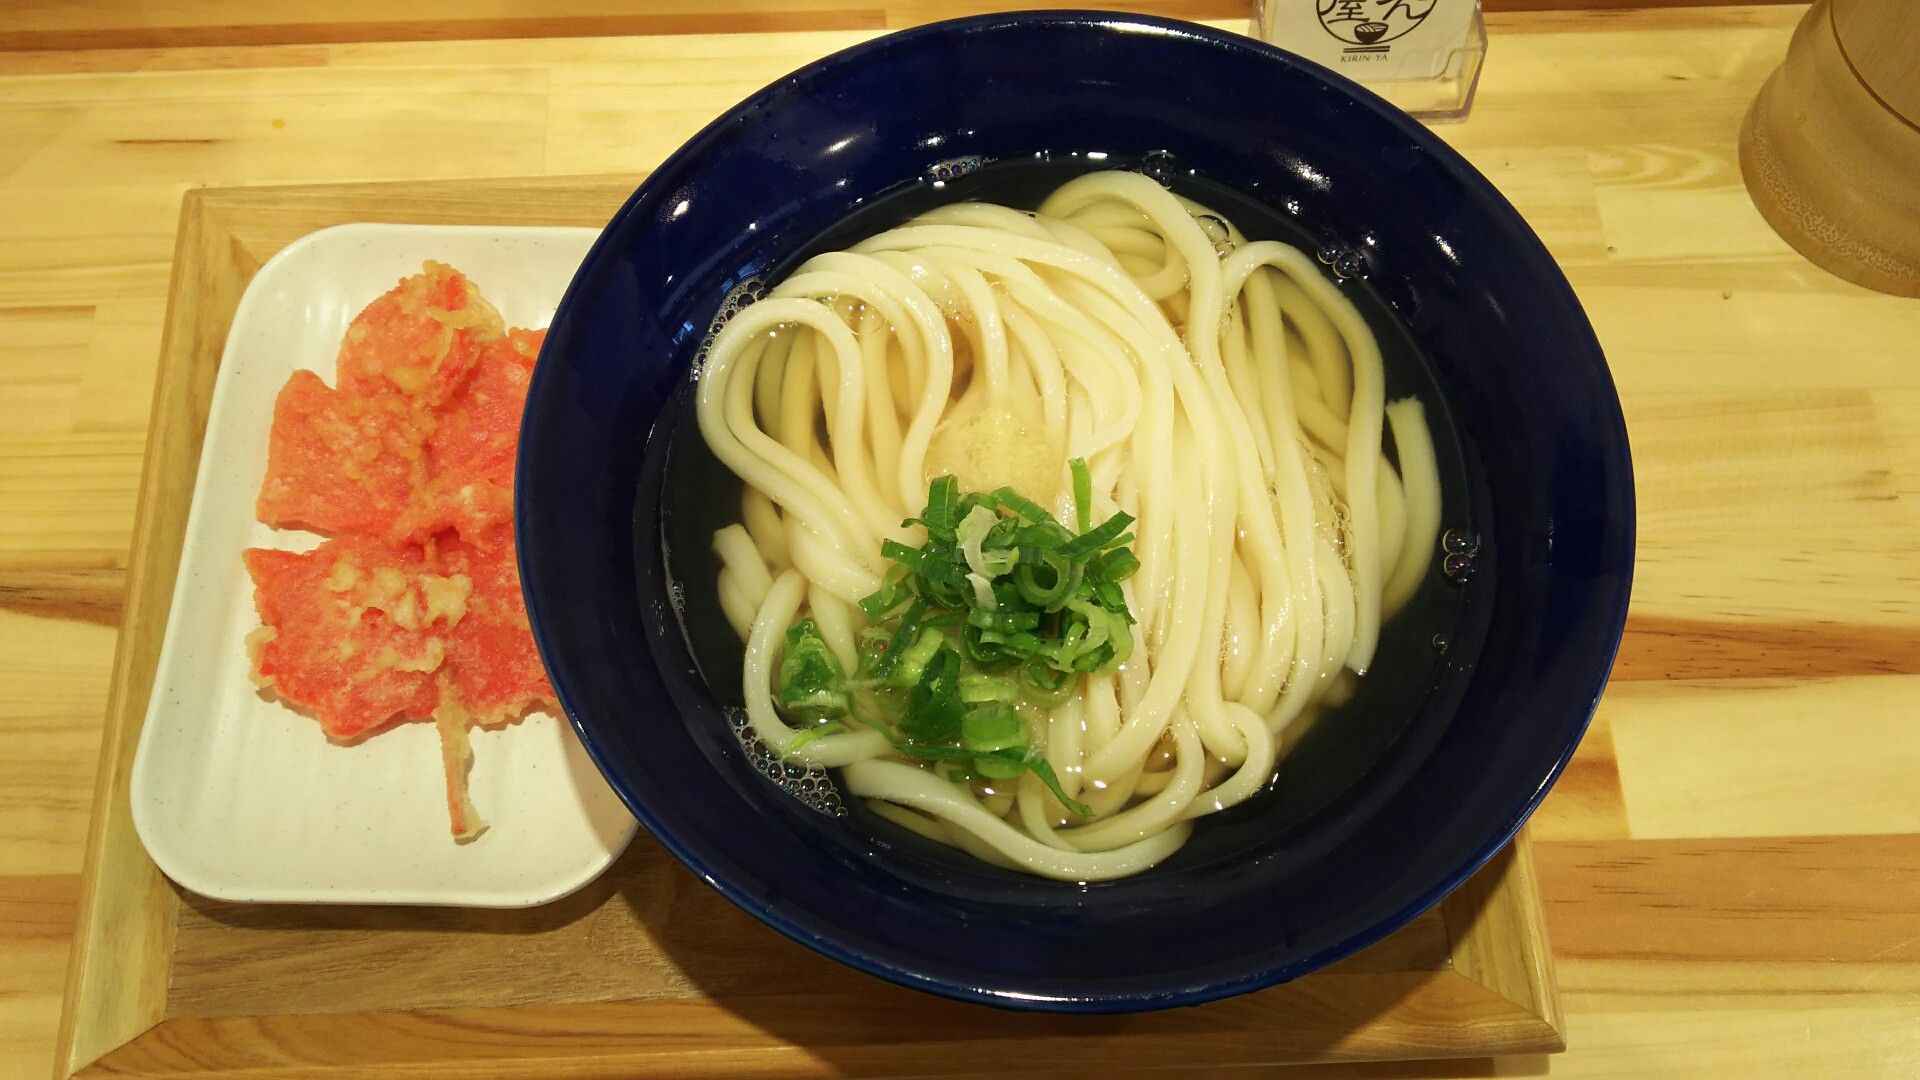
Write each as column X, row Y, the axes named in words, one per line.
column 238, row 797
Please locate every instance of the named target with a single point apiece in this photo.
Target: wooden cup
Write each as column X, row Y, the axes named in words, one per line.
column 1831, row 148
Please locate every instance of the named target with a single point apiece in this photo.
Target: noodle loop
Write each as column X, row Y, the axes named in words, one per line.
column 1221, row 391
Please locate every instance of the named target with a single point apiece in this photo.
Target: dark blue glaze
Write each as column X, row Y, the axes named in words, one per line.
column 1529, row 390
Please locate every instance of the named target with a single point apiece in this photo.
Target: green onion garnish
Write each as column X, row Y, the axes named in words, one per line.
column 813, row 689
column 807, row 735
column 1002, row 608
column 992, row 726
column 1082, row 493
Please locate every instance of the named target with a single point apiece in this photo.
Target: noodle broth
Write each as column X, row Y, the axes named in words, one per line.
column 1425, row 651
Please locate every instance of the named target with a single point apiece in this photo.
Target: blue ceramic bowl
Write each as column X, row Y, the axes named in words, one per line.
column 1262, row 901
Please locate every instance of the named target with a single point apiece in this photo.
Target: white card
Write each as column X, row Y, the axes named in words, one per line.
column 1371, row 40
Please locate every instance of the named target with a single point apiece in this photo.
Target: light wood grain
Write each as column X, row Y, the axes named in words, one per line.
column 1613, row 133
column 1485, row 916
column 644, row 953
column 1808, row 736
column 95, row 24
column 117, row 986
column 50, row 707
column 1747, row 902
column 36, row 917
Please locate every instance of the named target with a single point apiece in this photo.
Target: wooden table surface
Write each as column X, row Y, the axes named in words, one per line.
column 1732, row 864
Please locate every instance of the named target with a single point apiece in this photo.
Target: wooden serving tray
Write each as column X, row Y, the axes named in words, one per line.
column 647, row 972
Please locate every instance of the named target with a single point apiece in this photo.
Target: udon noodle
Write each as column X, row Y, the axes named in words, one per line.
column 1221, row 391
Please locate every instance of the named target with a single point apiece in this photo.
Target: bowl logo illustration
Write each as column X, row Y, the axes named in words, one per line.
column 1372, row 22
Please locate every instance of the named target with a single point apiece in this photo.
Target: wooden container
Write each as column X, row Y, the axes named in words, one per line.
column 1831, row 147
column 646, row 972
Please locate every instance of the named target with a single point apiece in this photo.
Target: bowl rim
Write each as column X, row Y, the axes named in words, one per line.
column 1492, row 204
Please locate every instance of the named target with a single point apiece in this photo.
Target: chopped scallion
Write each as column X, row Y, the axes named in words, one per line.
column 1001, row 605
